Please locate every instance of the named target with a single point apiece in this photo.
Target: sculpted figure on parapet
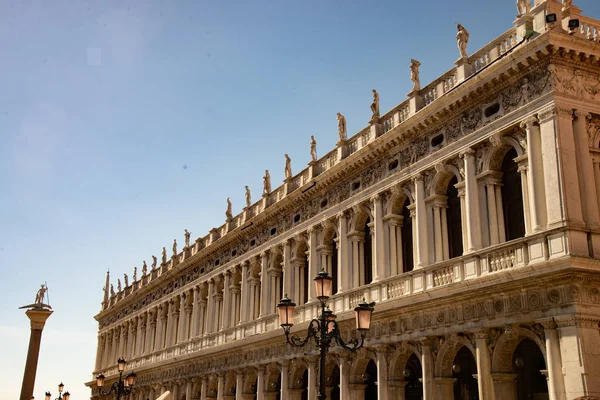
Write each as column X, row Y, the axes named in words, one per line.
column 248, row 197
column 187, row 235
column 341, row 126
column 228, row 213
column 375, row 104
column 174, row 247
column 313, row 148
column 154, row 260
column 39, row 297
column 523, row 7
column 119, row 285
column 462, row 38
column 135, row 272
column 288, row 167
column 164, row 255
column 414, row 75
column 145, row 268
column 125, row 280
column 112, row 290
column 267, row 182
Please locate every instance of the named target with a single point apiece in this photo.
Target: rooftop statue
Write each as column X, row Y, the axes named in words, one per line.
column 288, row 167
column 523, row 7
column 187, row 235
column 267, row 182
column 174, row 247
column 248, row 197
column 567, row 3
column 164, row 255
column 462, row 38
column 145, row 268
column 119, row 285
column 39, row 296
column 153, row 262
column 112, row 290
column 228, row 213
column 313, row 148
column 125, row 280
column 375, row 104
column 341, row 126
column 414, row 75
column 135, row 273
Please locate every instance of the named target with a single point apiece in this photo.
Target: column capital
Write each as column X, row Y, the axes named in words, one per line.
column 418, row 177
column 547, row 323
column 584, row 115
column 467, row 153
column 529, row 122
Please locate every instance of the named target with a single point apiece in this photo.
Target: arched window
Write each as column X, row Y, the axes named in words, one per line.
column 455, row 245
column 407, row 239
column 528, row 362
column 512, row 198
column 463, row 369
column 368, row 260
column 370, row 378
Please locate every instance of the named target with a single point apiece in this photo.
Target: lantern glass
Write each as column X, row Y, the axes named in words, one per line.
column 331, row 322
column 363, row 316
column 286, row 312
column 60, row 387
column 66, row 396
column 323, row 285
column 131, row 378
column 122, row 364
column 100, row 380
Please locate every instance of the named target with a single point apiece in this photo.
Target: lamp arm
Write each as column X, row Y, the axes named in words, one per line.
column 297, row 341
column 353, row 345
column 113, row 388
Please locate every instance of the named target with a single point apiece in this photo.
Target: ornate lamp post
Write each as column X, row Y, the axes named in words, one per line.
column 122, row 387
column 61, row 396
column 324, row 329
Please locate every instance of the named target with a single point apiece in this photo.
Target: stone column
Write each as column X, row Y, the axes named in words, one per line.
column 472, row 201
column 313, row 262
column 203, row 388
column 285, row 364
column 235, row 303
column 99, row 348
column 412, row 208
column 195, row 313
column 239, row 385
column 150, row 329
column 344, row 366
column 585, row 166
column 220, row 386
column 288, row 278
column 210, row 308
column 394, row 223
column 181, row 330
column 260, row 383
column 505, row 386
column 422, row 258
column 344, row 276
column 398, row 390
column 379, row 262
column 160, row 321
column 522, row 169
column 312, row 379
column 122, row 335
column 357, row 391
column 492, row 213
column 170, row 318
column 382, row 374
column 130, row 341
column 218, row 312
column 484, row 366
column 556, row 383
column 536, row 175
column 202, row 319
column 444, row 389
column 427, row 370
column 463, row 214
column 175, row 391
column 264, row 284
column 37, row 320
column 189, row 389
column 244, row 294
column 225, row 318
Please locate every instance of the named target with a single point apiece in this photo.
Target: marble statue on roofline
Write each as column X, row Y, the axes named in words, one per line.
column 187, row 236
column 414, row 75
column 288, row 167
column 267, row 182
column 164, row 255
column 228, row 212
column 341, row 120
column 375, row 104
column 134, row 274
column 144, row 269
column 462, row 38
column 523, row 7
column 119, row 285
column 112, row 290
column 154, row 260
column 125, row 280
column 248, row 196
column 313, row 148
column 174, row 247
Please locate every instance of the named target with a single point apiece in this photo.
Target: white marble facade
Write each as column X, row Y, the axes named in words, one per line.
column 469, row 213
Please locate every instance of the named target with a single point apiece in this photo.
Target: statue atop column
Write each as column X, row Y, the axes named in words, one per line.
column 288, row 167
column 174, row 247
column 187, row 235
column 462, row 38
column 125, row 280
column 267, row 182
column 228, row 213
column 414, row 75
column 375, row 104
column 112, row 290
column 153, row 266
column 135, row 273
column 118, row 285
column 145, row 268
column 341, row 120
column 39, row 296
column 248, row 197
column 313, row 148
column 523, row 7
column 567, row 4
column 164, row 255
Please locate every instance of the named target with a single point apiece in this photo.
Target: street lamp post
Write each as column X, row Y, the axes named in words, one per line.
column 324, row 329
column 122, row 387
column 61, row 396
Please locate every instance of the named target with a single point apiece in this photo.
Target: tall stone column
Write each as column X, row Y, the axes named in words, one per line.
column 264, row 284
column 220, row 386
column 131, row 339
column 421, row 225
column 37, row 320
column 202, row 318
column 122, row 338
column 382, row 374
column 239, row 385
column 235, row 306
column 394, row 224
column 195, row 313
column 285, row 365
column 226, row 301
column 472, row 201
column 587, row 181
column 312, row 379
column 189, row 389
column 344, row 366
column 427, row 369
column 536, row 175
column 379, row 262
column 244, row 294
column 150, row 329
column 313, row 262
column 218, row 312
column 203, row 388
column 288, row 273
column 522, row 169
column 492, row 212
column 344, row 276
column 484, row 367
column 170, row 320
column 260, row 383
column 556, row 383
column 210, row 308
column 99, row 349
column 181, row 330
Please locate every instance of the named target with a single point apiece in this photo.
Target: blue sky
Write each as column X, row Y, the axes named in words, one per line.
column 122, row 123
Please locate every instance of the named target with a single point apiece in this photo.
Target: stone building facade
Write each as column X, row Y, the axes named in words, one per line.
column 469, row 213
